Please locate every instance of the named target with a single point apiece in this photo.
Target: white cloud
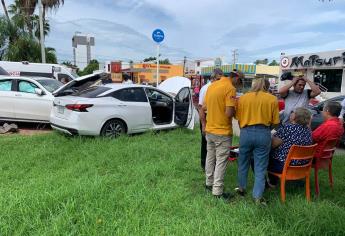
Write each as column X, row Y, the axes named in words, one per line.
column 206, row 28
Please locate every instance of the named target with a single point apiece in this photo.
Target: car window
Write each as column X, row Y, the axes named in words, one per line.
column 130, row 95
column 50, row 84
column 26, row 87
column 183, row 95
column 65, row 77
column 154, row 95
column 91, row 92
column 5, row 85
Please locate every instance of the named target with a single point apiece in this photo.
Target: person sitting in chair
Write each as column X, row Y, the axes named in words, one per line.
column 296, row 132
column 332, row 128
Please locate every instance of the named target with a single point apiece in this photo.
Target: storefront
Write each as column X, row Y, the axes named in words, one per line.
column 147, row 73
column 325, row 68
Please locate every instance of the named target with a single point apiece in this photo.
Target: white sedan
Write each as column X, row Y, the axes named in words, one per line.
column 114, row 109
column 26, row 99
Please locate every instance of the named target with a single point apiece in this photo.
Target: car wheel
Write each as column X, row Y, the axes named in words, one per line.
column 113, row 129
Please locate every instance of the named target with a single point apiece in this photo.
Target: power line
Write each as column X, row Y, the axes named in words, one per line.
column 234, row 56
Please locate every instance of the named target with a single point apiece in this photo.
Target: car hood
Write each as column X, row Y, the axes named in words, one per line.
column 82, row 82
column 174, row 84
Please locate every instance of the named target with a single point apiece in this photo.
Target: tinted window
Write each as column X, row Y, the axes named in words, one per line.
column 26, row 87
column 130, row 95
column 91, row 92
column 5, row 85
column 50, row 84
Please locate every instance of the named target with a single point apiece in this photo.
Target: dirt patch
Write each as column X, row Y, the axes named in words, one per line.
column 31, row 129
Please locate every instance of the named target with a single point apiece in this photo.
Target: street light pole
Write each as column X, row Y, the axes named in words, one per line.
column 43, row 52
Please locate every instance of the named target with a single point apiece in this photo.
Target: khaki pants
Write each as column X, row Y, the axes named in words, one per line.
column 218, row 150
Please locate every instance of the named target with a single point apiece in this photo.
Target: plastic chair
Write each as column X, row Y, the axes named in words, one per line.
column 297, row 152
column 325, row 162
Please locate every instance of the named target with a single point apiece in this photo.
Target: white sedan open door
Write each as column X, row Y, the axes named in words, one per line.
column 184, row 109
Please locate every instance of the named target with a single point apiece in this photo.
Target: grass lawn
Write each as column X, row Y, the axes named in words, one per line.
column 149, row 184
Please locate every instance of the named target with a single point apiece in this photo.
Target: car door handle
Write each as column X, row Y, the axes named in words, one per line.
column 122, row 105
column 18, row 95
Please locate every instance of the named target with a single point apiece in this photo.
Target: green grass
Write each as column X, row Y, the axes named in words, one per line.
column 149, row 184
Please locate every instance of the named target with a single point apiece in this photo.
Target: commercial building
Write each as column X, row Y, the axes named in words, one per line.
column 250, row 72
column 324, row 68
column 147, row 73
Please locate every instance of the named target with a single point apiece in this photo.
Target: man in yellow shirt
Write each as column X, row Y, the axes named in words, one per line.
column 220, row 102
column 257, row 112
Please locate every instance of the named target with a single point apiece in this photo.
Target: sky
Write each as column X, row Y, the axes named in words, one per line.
column 199, row 29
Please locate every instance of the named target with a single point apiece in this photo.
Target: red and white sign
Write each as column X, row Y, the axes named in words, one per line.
column 285, row 62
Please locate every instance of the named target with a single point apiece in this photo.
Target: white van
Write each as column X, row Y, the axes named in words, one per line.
column 25, row 68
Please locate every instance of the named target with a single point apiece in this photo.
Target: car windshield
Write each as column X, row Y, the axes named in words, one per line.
column 50, row 84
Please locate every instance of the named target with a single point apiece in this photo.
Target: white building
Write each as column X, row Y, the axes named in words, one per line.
column 324, row 68
column 82, row 49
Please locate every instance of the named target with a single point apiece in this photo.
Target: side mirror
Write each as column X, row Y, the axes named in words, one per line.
column 39, row 92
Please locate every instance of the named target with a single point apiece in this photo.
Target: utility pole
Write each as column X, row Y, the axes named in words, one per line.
column 43, row 50
column 234, row 56
column 184, row 65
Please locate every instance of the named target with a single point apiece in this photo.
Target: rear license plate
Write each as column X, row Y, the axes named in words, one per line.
column 61, row 109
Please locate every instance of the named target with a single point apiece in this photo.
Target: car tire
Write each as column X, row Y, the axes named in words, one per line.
column 114, row 128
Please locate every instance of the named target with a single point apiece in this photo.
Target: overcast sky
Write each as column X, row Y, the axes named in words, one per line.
column 199, row 28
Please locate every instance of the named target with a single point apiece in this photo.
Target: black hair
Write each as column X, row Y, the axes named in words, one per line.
column 334, row 108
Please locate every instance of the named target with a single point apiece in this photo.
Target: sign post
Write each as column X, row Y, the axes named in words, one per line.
column 158, row 37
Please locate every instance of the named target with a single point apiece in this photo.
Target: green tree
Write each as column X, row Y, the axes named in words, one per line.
column 19, row 39
column 165, row 62
column 149, row 59
column 30, row 6
column 90, row 68
column 274, row 63
column 264, row 62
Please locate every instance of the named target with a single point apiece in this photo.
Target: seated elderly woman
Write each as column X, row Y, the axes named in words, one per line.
column 296, row 132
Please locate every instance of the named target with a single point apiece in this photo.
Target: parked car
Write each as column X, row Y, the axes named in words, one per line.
column 316, row 110
column 26, row 99
column 30, row 99
column 114, row 109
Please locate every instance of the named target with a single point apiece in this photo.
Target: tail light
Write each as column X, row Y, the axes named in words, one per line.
column 78, row 107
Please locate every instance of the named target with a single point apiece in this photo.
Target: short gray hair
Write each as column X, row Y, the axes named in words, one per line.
column 302, row 116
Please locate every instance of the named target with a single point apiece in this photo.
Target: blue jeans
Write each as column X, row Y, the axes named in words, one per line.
column 254, row 141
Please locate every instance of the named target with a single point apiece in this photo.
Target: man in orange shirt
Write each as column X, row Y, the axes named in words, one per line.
column 220, row 106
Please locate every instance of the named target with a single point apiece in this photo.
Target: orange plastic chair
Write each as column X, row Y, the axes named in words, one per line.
column 297, row 152
column 325, row 162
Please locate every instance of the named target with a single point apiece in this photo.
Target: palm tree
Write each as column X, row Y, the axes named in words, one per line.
column 30, row 6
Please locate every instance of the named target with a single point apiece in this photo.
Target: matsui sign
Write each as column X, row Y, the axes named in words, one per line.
column 313, row 60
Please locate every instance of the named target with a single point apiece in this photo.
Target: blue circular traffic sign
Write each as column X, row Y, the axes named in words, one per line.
column 158, row 35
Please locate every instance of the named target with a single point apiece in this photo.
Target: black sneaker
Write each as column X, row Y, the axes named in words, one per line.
column 240, row 192
column 260, row 202
column 224, row 196
column 208, row 188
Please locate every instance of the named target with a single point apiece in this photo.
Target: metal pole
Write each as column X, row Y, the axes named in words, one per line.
column 43, row 52
column 157, row 74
